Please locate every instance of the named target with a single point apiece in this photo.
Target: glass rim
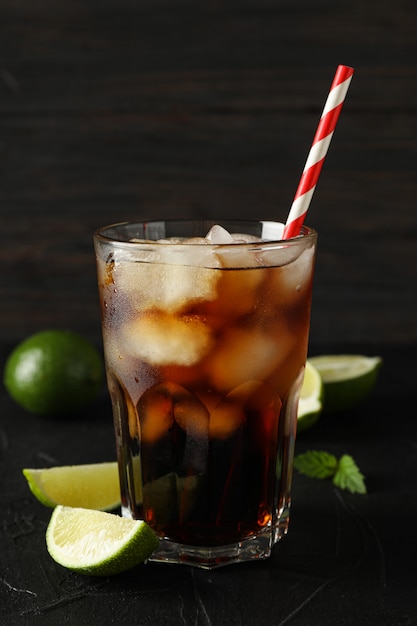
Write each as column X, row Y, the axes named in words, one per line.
column 306, row 233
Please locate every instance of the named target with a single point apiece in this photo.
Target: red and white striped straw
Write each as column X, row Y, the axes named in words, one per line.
column 318, row 151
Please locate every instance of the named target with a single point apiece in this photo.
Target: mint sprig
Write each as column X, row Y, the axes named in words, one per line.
column 344, row 472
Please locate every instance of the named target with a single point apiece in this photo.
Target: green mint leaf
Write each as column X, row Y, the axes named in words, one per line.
column 348, row 475
column 316, row 464
column 344, row 472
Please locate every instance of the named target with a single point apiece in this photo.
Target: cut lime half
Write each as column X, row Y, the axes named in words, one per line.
column 93, row 486
column 310, row 404
column 347, row 379
column 98, row 543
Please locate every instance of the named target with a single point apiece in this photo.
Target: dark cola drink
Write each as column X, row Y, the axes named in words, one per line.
column 205, row 344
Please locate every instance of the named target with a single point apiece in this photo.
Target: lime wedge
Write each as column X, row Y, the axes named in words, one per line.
column 98, row 543
column 347, row 379
column 309, row 405
column 94, row 486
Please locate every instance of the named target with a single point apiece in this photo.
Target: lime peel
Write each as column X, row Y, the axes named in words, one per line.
column 54, row 372
column 347, row 379
column 92, row 486
column 98, row 543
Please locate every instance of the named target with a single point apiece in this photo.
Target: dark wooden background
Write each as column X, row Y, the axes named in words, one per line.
column 113, row 110
column 158, row 108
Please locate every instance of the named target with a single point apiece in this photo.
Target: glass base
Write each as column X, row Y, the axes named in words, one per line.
column 251, row 549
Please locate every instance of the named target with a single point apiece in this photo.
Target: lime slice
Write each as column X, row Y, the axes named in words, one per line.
column 98, row 543
column 94, row 486
column 309, row 405
column 347, row 379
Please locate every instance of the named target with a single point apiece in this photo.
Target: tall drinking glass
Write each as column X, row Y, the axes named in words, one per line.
column 205, row 342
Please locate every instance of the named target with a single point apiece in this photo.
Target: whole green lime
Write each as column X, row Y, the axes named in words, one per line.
column 54, row 372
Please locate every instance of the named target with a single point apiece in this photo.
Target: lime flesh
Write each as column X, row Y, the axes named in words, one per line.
column 92, row 486
column 347, row 379
column 310, row 403
column 98, row 543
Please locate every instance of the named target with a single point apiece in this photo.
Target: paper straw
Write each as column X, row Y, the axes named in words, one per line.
column 318, row 151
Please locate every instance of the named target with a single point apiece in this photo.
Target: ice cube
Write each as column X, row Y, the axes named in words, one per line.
column 226, row 418
column 240, row 281
column 238, row 293
column 256, row 396
column 167, row 285
column 272, row 231
column 189, row 412
column 171, row 240
column 281, row 254
column 239, row 256
column 163, row 339
column 200, row 240
column 161, row 408
column 245, row 238
column 127, row 408
column 288, row 283
column 245, row 355
column 218, row 234
column 156, row 413
column 298, row 274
